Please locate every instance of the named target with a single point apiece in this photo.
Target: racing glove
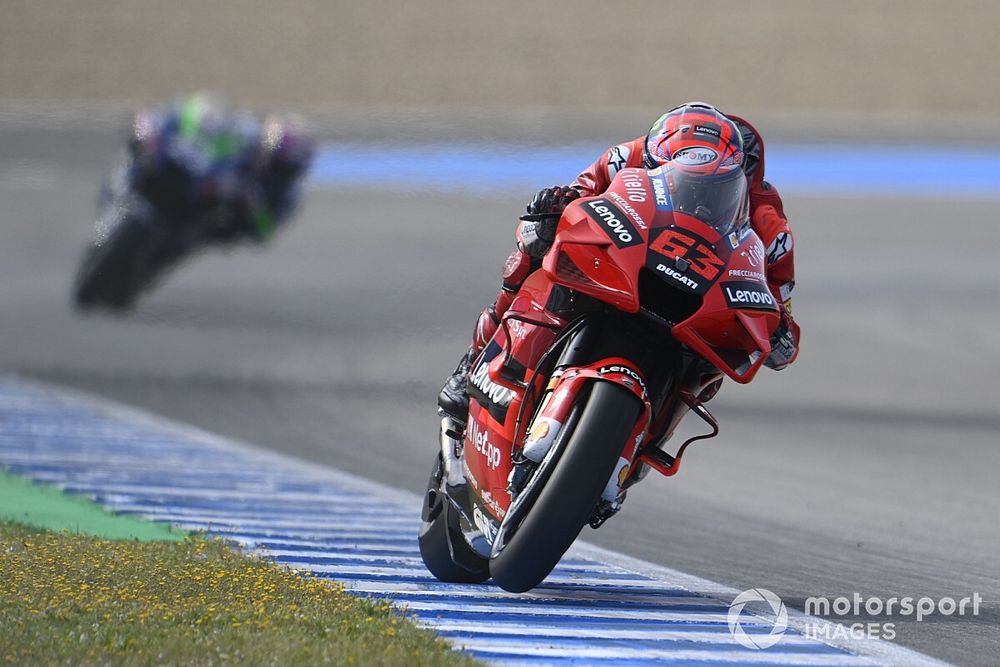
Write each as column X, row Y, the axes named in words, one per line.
column 538, row 226
column 784, row 344
column 551, row 201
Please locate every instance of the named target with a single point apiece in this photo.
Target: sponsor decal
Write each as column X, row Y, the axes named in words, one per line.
column 618, row 476
column 632, row 213
column 496, row 398
column 543, row 434
column 484, row 524
column 494, row 506
column 496, row 393
column 635, row 188
column 623, row 473
column 480, row 439
column 755, row 253
column 677, row 275
column 695, row 156
column 734, row 160
column 694, row 250
column 743, row 273
column 624, row 370
column 660, row 191
column 786, row 291
column 539, row 430
column 518, row 328
column 781, row 246
column 710, row 129
column 617, row 159
column 613, row 220
column 747, row 295
column 469, row 477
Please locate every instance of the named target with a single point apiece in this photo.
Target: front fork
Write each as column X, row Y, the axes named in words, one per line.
column 451, row 447
column 564, row 389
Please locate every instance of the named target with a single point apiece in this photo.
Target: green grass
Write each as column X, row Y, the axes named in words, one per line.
column 80, row 600
column 47, row 507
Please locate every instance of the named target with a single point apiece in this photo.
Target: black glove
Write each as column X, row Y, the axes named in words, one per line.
column 552, row 201
column 783, row 346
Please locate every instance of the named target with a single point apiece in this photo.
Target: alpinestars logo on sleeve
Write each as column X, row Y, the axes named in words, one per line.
column 781, row 246
column 617, row 159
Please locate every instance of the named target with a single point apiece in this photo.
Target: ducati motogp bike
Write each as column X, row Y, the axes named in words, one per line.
column 651, row 294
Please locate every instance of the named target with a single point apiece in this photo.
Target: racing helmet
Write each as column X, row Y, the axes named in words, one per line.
column 695, row 135
column 701, row 155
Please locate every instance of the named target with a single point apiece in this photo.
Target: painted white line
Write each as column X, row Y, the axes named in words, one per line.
column 745, row 657
column 351, row 552
column 303, row 511
column 348, row 545
column 536, row 628
column 165, row 492
column 547, row 592
column 392, row 525
column 487, row 607
column 299, row 512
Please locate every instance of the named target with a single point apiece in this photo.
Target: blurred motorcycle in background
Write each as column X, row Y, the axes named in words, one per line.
column 195, row 174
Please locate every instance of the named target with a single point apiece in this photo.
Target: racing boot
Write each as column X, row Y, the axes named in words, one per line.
column 453, row 401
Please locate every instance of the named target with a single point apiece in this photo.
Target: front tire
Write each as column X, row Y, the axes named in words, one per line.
column 114, row 269
column 568, row 499
column 442, row 547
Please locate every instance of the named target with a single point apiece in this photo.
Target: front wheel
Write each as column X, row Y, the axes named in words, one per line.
column 118, row 263
column 568, row 498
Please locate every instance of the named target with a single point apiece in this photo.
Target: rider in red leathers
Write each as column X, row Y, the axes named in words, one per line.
column 668, row 138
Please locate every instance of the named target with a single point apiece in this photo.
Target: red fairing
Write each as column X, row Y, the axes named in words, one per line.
column 603, row 242
column 604, row 245
column 527, row 331
column 766, row 208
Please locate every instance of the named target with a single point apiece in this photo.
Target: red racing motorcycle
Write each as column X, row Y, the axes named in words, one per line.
column 651, row 294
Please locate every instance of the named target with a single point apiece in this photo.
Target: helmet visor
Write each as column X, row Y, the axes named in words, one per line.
column 719, row 200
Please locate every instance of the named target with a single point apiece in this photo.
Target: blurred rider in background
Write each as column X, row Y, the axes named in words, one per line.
column 683, row 128
column 199, row 155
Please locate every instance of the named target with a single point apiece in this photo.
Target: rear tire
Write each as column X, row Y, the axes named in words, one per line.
column 445, row 552
column 568, row 499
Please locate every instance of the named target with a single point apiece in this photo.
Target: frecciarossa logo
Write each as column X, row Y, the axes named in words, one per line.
column 613, row 221
column 742, row 294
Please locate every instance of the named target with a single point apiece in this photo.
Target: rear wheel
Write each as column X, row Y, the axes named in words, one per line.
column 445, row 552
column 568, row 498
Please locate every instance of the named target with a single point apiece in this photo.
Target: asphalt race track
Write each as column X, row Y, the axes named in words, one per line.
column 868, row 467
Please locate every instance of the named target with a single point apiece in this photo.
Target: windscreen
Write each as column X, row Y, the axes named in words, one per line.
column 719, row 200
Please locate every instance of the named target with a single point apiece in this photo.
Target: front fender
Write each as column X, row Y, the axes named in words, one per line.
column 566, row 387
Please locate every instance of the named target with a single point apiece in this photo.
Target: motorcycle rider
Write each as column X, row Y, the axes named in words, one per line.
column 689, row 125
column 198, row 156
